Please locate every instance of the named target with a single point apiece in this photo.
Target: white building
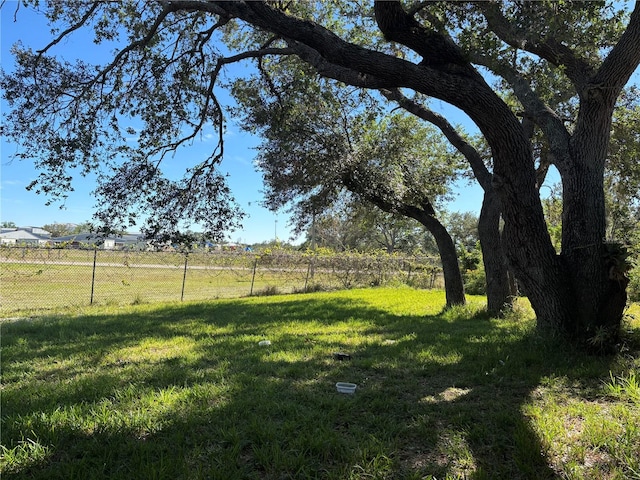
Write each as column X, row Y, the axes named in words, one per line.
column 25, row 236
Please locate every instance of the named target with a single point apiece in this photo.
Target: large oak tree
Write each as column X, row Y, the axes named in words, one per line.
column 165, row 75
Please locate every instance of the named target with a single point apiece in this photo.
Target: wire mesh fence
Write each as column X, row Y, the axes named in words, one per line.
column 35, row 278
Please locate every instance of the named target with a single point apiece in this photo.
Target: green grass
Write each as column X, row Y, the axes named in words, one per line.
column 54, row 278
column 50, row 285
column 184, row 391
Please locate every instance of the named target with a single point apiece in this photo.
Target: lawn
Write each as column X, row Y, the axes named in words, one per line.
column 41, row 279
column 185, row 391
column 52, row 286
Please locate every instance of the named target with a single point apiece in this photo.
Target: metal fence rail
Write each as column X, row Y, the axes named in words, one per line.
column 35, row 278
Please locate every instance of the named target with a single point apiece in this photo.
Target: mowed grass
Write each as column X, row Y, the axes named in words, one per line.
column 45, row 286
column 50, row 279
column 184, row 391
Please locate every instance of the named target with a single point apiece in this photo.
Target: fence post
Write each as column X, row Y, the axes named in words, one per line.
column 311, row 270
column 184, row 275
column 93, row 273
column 253, row 277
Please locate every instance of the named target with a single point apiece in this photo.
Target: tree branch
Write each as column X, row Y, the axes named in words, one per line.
column 576, row 69
column 623, row 59
column 544, row 117
column 341, row 73
column 211, row 97
column 130, row 47
column 438, row 51
column 333, row 57
column 69, row 30
column 480, row 170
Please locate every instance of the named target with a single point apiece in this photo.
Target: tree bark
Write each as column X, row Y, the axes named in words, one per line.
column 454, row 286
column 499, row 287
column 527, row 243
column 597, row 276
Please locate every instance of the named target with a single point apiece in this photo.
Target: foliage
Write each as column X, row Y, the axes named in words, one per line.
column 552, row 205
column 473, row 272
column 121, row 120
column 320, row 143
column 475, row 282
column 63, row 229
column 351, row 225
column 338, row 228
column 320, row 140
column 623, row 185
column 464, row 231
column 623, row 171
column 634, row 283
column 463, row 227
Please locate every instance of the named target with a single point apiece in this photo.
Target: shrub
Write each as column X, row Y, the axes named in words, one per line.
column 268, row 291
column 474, row 281
column 633, row 290
column 314, row 287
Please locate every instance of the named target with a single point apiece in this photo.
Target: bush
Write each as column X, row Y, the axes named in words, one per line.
column 475, row 282
column 267, row 291
column 633, row 290
column 314, row 287
column 472, row 270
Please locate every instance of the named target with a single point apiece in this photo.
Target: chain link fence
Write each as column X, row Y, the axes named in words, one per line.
column 37, row 278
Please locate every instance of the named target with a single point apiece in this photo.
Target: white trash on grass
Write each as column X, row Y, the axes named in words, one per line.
column 345, row 387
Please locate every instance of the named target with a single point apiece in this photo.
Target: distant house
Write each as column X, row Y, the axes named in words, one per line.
column 225, row 246
column 25, row 236
column 111, row 242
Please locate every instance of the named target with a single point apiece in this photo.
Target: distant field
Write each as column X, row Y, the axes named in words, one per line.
column 55, row 285
column 50, row 278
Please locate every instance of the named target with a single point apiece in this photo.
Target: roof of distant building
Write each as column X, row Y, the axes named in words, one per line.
column 25, row 233
column 89, row 237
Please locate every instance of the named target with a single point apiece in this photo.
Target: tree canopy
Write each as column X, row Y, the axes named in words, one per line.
column 318, row 140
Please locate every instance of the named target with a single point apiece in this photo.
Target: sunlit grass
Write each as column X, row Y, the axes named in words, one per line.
column 186, row 391
column 25, row 286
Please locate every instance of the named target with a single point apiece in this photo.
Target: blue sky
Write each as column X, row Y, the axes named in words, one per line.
column 29, row 209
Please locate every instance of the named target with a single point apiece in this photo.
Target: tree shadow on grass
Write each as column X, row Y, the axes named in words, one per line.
column 437, row 395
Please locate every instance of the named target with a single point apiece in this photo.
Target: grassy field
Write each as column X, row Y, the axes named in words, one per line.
column 51, row 278
column 36, row 286
column 184, row 391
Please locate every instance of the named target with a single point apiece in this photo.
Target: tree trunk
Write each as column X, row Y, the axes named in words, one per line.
column 499, row 287
column 453, row 284
column 596, row 269
column 526, row 241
